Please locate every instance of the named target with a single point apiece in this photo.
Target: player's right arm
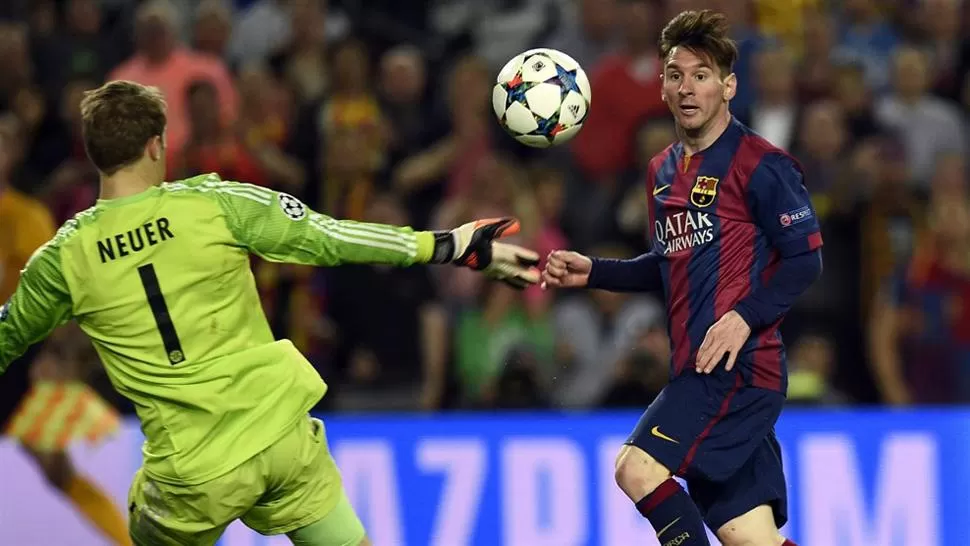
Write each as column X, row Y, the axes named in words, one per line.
column 278, row 227
column 567, row 269
column 41, row 303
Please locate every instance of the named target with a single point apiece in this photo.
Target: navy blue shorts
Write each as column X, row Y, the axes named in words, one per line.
column 721, row 440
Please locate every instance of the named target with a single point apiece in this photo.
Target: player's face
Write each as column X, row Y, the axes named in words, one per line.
column 694, row 89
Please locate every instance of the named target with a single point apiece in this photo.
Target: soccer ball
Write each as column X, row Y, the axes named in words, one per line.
column 541, row 97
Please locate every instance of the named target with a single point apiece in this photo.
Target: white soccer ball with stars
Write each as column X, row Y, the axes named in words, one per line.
column 541, row 97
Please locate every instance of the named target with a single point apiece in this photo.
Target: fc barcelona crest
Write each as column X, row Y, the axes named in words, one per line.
column 704, row 191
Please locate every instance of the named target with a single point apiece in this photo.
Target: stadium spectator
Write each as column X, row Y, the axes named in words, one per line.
column 598, row 331
column 497, row 189
column 856, row 101
column 447, row 167
column 266, row 111
column 485, row 336
column 928, row 125
column 213, row 28
column 867, row 37
column 815, row 70
column 303, row 61
column 87, row 50
column 587, row 30
column 889, row 221
column 920, row 329
column 519, row 386
column 73, row 184
column 775, row 113
column 161, row 61
column 626, row 85
column 400, row 353
column 810, row 377
column 939, row 33
column 641, row 373
column 261, row 30
column 212, row 147
column 15, row 62
column 403, row 90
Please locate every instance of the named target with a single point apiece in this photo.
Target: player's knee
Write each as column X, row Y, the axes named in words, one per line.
column 637, row 473
column 756, row 528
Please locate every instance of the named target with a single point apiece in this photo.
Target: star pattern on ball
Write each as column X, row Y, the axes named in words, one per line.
column 567, row 80
column 516, row 90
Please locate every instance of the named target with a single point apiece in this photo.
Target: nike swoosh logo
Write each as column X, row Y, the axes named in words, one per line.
column 669, row 525
column 656, row 432
column 660, row 189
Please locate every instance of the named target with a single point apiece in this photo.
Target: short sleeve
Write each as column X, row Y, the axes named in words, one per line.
column 781, row 207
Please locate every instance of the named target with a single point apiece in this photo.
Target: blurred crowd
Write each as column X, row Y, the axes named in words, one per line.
column 380, row 111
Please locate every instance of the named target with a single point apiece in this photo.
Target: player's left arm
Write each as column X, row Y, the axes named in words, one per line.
column 781, row 208
column 41, row 303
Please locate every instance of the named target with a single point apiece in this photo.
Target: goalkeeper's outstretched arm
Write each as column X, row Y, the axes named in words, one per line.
column 41, row 303
column 278, row 227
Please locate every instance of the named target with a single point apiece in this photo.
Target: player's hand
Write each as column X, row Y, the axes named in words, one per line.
column 726, row 336
column 474, row 245
column 566, row 269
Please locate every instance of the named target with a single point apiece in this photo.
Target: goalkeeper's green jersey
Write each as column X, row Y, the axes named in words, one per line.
column 161, row 283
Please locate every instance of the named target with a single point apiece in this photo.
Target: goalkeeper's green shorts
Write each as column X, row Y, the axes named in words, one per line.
column 292, row 484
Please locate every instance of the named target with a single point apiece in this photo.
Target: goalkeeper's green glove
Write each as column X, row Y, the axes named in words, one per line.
column 474, row 245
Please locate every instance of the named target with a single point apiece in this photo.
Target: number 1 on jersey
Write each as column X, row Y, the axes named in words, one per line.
column 170, row 338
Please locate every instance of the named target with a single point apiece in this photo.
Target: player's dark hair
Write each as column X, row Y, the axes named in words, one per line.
column 705, row 33
column 117, row 120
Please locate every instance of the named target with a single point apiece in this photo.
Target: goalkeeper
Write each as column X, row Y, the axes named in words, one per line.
column 157, row 275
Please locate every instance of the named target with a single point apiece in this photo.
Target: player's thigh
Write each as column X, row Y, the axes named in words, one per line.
column 162, row 514
column 669, row 429
column 340, row 527
column 734, row 432
column 733, row 507
column 304, row 483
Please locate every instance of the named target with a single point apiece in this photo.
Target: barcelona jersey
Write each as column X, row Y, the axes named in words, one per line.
column 722, row 220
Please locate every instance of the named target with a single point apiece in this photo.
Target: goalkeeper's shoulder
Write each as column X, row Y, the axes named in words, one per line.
column 49, row 252
column 235, row 199
column 211, row 183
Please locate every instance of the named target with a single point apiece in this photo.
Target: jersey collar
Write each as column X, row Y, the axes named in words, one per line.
column 128, row 199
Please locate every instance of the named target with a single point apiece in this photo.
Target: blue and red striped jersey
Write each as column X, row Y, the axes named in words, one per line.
column 722, row 219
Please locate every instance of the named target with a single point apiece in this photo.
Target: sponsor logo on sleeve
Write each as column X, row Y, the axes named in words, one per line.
column 793, row 217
